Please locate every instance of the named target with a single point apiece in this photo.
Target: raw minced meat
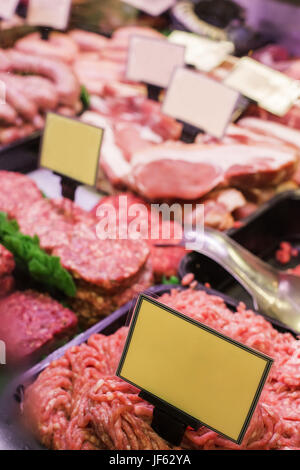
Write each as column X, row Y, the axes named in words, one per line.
column 42, row 219
column 165, row 260
column 78, row 403
column 30, row 323
column 18, row 192
column 105, row 263
column 88, row 302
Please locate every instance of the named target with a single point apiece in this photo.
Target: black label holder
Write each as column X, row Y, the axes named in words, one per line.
column 167, row 421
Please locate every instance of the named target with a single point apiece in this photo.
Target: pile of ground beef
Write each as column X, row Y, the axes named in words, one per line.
column 78, row 403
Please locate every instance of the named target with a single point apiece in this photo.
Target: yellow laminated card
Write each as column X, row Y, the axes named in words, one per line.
column 71, row 148
column 193, row 369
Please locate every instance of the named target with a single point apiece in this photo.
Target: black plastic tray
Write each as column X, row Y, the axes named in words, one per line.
column 276, row 221
column 21, row 155
column 12, row 434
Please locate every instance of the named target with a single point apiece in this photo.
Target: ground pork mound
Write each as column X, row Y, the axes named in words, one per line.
column 78, row 403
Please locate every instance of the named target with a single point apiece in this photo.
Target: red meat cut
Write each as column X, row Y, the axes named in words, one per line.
column 165, row 260
column 18, row 192
column 31, row 322
column 189, row 171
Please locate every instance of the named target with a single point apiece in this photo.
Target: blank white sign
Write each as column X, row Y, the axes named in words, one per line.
column 8, row 8
column 153, row 61
column 200, row 101
column 54, row 13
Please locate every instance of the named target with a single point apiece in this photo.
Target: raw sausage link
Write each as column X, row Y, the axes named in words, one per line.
column 59, row 46
column 4, row 61
column 8, row 114
column 88, row 42
column 17, row 99
column 41, row 91
column 67, row 85
column 38, row 89
column 10, row 134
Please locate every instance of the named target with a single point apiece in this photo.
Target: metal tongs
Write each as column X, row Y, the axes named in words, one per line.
column 275, row 293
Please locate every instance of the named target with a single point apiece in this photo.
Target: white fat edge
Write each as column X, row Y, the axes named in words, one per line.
column 279, row 131
column 145, row 132
column 234, row 129
column 231, row 198
column 110, row 152
column 148, row 134
column 222, row 156
column 98, row 104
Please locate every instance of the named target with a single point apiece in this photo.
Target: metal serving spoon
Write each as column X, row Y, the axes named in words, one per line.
column 275, row 293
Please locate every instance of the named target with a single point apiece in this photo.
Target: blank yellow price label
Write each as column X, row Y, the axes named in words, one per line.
column 193, row 368
column 71, row 148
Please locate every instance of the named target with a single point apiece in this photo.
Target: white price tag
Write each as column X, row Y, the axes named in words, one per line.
column 8, row 8
column 52, row 13
column 272, row 90
column 153, row 61
column 200, row 101
column 152, row 7
column 204, row 53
